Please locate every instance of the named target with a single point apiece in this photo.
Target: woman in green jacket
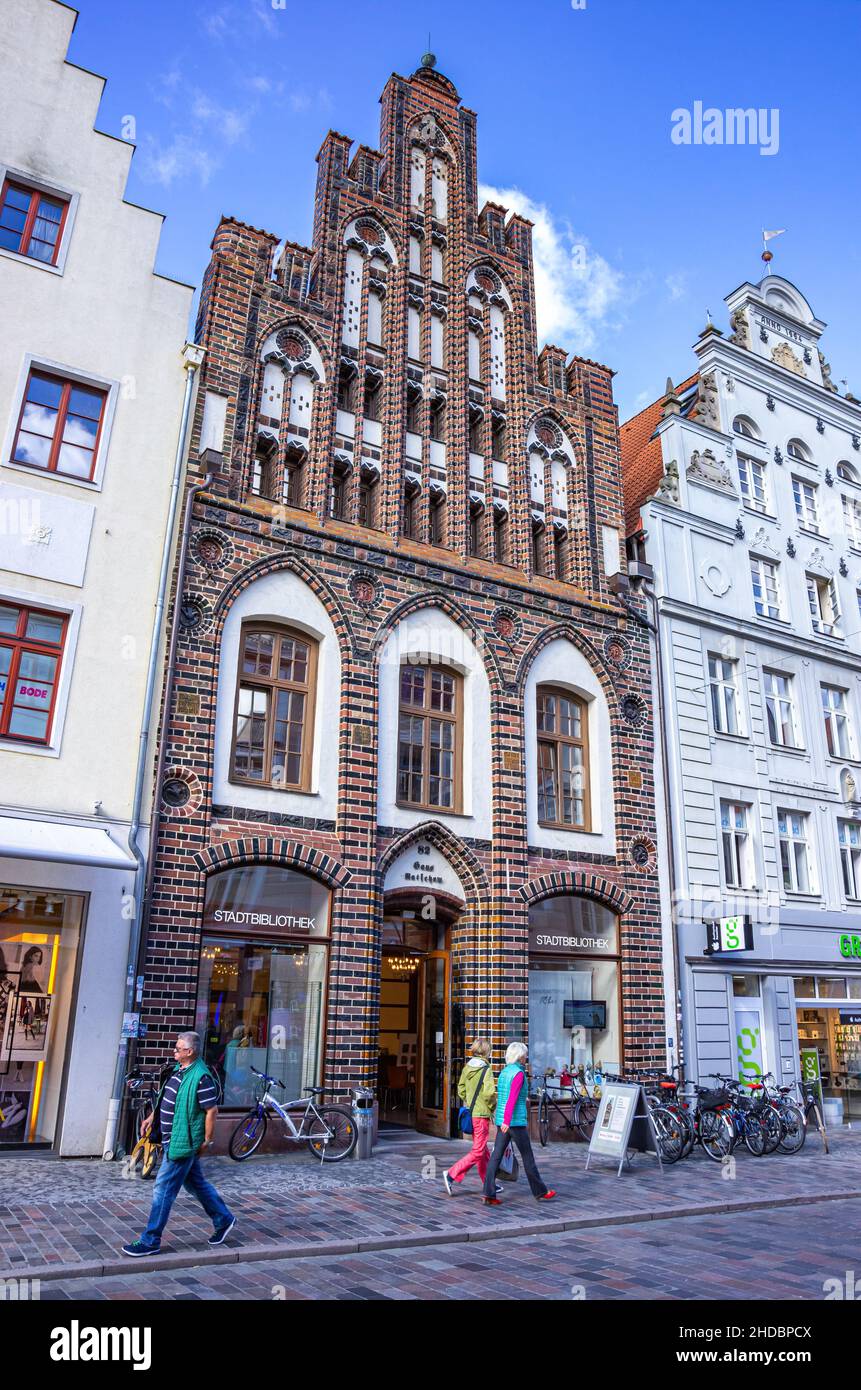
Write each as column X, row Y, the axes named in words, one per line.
column 476, row 1085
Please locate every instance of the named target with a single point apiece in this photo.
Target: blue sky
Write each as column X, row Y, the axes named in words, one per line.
column 636, row 236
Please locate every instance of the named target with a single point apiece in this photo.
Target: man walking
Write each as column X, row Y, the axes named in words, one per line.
column 185, row 1112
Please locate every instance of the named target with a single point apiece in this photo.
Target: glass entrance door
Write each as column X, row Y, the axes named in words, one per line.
column 432, row 1100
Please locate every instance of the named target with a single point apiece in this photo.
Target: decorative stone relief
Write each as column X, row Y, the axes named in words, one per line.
column 195, row 614
column 668, row 488
column 740, row 329
column 784, row 356
column 634, row 710
column 826, row 372
column 506, row 624
column 705, row 468
column 707, row 409
column 715, row 578
column 848, row 786
column 763, row 545
column 643, row 854
column 212, row 548
column 818, row 563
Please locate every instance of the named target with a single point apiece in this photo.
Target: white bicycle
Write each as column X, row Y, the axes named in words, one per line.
column 329, row 1130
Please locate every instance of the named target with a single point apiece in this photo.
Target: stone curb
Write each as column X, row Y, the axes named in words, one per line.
column 256, row 1253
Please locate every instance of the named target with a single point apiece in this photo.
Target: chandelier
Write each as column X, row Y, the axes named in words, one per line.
column 404, row 965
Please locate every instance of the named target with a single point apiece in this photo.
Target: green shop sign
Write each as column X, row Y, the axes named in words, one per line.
column 850, row 946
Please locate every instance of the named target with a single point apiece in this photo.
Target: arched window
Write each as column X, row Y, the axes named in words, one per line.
column 430, row 738
column 742, row 424
column 563, row 758
column 273, row 726
column 846, row 472
column 797, row 449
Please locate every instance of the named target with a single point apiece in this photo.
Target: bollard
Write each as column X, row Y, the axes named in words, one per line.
column 363, row 1117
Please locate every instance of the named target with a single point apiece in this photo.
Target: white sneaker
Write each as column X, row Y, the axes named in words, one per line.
column 448, row 1183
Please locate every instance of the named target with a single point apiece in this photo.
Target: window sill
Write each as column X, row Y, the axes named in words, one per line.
column 432, row 810
column 731, row 738
column 271, row 787
column 789, row 749
column 89, row 485
column 30, row 260
column 567, row 829
column 802, row 897
column 772, row 622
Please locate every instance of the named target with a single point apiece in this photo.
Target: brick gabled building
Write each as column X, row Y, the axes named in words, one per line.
column 407, row 792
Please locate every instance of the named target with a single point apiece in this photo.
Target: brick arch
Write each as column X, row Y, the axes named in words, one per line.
column 565, row 632
column 286, row 561
column 457, row 614
column 488, row 259
column 459, row 856
column 285, row 854
column 374, row 214
column 304, row 325
column 550, row 412
column 579, row 883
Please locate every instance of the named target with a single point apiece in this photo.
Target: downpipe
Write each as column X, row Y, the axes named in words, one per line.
column 193, row 356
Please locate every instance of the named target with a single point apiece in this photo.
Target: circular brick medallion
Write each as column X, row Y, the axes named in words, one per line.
column 643, row 854
column 195, row 614
column 365, row 589
column 634, row 710
column 370, row 231
column 212, row 548
column 181, row 792
column 506, row 624
column 293, row 345
column 617, row 650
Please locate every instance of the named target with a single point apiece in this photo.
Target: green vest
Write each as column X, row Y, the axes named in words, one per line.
column 189, row 1120
column 520, row 1115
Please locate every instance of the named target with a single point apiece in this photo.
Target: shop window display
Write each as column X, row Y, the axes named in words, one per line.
column 828, row 1015
column 39, row 940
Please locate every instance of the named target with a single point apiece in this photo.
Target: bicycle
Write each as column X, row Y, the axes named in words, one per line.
column 328, row 1130
column 146, row 1152
column 752, row 1119
column 583, row 1110
column 793, row 1124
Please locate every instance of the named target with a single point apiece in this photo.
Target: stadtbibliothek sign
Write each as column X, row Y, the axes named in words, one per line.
column 540, row 940
column 281, row 920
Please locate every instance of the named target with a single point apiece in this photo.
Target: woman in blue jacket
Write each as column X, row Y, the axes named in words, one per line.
column 512, row 1121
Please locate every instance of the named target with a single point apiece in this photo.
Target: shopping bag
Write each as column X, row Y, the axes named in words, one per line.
column 508, row 1165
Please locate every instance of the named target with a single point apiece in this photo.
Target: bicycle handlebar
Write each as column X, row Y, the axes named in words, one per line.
column 273, row 1079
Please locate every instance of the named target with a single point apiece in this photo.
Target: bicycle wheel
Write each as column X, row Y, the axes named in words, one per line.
column 716, row 1135
column 543, row 1121
column 135, row 1160
column 585, row 1115
column 668, row 1132
column 773, row 1128
column 151, row 1159
column 794, row 1129
column 332, row 1134
column 688, row 1132
column 755, row 1133
column 248, row 1135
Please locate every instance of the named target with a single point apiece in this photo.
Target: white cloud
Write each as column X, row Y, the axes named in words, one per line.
column 231, row 124
column 183, row 158
column 677, row 284
column 575, row 288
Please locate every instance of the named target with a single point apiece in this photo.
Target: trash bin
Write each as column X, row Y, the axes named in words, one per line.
column 363, row 1115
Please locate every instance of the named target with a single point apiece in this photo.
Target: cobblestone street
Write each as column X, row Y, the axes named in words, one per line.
column 385, row 1228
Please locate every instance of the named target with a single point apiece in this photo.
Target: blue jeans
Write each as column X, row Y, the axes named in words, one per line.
column 172, row 1175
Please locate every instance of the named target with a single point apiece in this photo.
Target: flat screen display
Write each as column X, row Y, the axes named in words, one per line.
column 584, row 1013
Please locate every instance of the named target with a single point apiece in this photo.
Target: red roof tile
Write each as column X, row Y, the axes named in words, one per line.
column 642, row 462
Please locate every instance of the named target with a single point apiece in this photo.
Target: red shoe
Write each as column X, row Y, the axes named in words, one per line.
column 546, row 1196
column 491, row 1201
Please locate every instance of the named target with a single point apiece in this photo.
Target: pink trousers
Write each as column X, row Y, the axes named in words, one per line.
column 477, row 1156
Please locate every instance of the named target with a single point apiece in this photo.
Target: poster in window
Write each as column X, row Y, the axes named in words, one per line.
column 30, row 1024
column 16, row 1092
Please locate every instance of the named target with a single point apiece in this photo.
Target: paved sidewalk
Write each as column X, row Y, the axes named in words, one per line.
column 757, row 1256
column 68, row 1218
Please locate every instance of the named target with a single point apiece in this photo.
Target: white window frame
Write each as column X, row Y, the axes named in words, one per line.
column 56, row 190
column 723, row 694
column 852, row 520
column 737, row 846
column 111, row 389
column 838, row 719
column 849, row 842
column 806, row 503
column 822, row 603
column 761, row 571
column 782, row 706
column 795, row 851
column 74, row 612
column 753, row 482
